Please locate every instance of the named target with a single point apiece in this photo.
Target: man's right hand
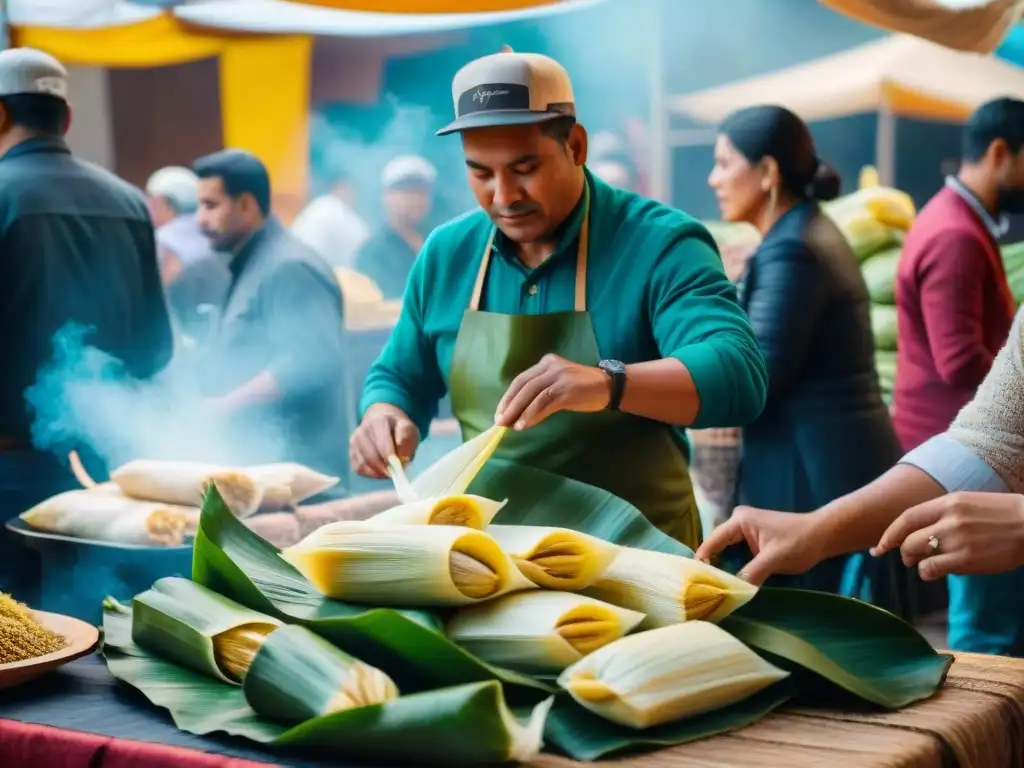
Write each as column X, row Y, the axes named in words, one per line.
column 384, row 432
column 782, row 542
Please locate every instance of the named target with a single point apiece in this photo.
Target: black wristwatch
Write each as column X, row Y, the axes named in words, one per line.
column 617, row 371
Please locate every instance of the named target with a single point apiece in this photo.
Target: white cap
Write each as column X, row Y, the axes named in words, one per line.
column 510, row 89
column 408, row 171
column 179, row 186
column 26, row 70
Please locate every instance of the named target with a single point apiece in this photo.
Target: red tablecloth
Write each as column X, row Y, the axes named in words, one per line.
column 23, row 745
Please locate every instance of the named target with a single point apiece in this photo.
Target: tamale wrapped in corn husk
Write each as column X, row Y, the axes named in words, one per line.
column 555, row 558
column 287, row 673
column 462, row 509
column 297, row 675
column 197, row 628
column 405, row 565
column 101, row 514
column 670, row 588
column 185, row 483
column 288, row 484
column 668, row 674
column 539, row 632
column 450, row 475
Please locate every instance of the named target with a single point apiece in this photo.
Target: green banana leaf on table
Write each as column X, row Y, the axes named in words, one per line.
column 850, row 644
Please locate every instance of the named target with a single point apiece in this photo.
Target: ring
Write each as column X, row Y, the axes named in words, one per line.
column 933, row 543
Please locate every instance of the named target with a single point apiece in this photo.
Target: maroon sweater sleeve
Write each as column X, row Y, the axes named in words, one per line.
column 953, row 272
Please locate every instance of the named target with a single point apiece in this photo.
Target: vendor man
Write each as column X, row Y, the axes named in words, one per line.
column 594, row 322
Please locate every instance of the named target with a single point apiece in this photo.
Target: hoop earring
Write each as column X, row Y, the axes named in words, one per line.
column 773, row 197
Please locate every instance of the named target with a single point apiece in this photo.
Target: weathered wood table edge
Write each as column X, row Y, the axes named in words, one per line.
column 975, row 721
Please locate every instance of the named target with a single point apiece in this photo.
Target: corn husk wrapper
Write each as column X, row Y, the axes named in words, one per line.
column 450, row 475
column 297, row 675
column 670, row 588
column 668, row 674
column 555, row 558
column 409, row 565
column 464, row 509
column 185, row 483
column 287, row 484
column 539, row 632
column 101, row 514
column 197, row 628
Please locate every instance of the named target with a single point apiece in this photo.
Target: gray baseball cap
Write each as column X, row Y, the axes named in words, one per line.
column 510, row 89
column 27, row 70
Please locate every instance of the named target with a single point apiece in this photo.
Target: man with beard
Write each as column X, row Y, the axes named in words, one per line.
column 955, row 306
column 275, row 359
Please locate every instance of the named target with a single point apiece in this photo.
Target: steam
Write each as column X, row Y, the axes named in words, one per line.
column 85, row 397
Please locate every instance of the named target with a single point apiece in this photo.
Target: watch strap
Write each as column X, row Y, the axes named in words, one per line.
column 617, row 372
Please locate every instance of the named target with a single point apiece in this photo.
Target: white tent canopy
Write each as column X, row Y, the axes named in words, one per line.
column 967, row 25
column 856, row 81
column 269, row 16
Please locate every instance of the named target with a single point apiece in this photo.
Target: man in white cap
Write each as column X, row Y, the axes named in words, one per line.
column 192, row 275
column 594, row 322
column 76, row 247
column 408, row 182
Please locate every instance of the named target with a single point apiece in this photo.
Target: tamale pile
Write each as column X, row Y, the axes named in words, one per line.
column 21, row 636
column 457, row 509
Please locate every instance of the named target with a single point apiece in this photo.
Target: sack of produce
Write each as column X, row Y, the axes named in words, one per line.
column 866, row 235
column 885, row 364
column 883, row 326
column 1013, row 262
column 879, row 273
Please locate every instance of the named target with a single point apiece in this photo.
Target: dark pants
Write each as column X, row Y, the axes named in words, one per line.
column 26, row 478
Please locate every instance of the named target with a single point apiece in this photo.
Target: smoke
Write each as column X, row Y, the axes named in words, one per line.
column 85, row 398
column 344, row 143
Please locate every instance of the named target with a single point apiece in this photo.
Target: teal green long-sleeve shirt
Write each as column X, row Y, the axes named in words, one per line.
column 655, row 289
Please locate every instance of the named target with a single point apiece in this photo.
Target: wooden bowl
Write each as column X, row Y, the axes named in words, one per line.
column 82, row 640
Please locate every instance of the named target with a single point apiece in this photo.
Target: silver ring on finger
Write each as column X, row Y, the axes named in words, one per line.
column 933, row 544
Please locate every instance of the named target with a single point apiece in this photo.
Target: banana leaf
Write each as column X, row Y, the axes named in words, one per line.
column 852, row 644
column 536, row 497
column 410, row 646
column 471, row 723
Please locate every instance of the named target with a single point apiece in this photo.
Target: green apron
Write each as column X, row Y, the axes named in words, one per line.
column 636, row 459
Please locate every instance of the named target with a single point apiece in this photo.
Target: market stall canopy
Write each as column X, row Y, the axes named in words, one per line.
column 302, row 17
column 901, row 73
column 966, row 25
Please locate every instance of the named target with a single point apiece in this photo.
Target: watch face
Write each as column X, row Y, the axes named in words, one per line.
column 613, row 366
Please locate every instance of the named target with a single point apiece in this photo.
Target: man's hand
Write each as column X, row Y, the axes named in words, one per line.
column 552, row 385
column 384, row 432
column 975, row 533
column 782, row 542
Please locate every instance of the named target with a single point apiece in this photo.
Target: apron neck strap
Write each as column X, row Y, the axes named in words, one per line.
column 582, row 249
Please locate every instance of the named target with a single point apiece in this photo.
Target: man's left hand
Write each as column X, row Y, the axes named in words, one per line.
column 552, row 385
column 960, row 533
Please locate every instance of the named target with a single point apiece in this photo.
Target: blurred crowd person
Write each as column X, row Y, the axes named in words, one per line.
column 387, row 257
column 194, row 279
column 954, row 301
column 330, row 225
column 824, row 431
column 274, row 367
column 77, row 246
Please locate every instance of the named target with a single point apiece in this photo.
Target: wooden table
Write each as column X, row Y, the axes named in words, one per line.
column 975, row 721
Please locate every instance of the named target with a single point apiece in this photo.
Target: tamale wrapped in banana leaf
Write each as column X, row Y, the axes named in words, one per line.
column 185, row 483
column 287, row 673
column 667, row 674
column 555, row 558
column 102, row 514
column 462, row 509
column 539, row 632
column 405, row 565
column 670, row 588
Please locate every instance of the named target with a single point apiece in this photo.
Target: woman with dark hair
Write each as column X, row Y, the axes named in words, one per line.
column 825, row 431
